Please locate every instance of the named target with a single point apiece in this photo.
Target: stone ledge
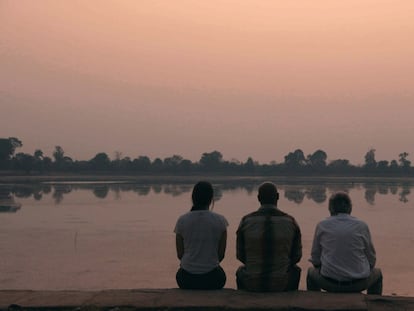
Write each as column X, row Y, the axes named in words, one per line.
column 176, row 299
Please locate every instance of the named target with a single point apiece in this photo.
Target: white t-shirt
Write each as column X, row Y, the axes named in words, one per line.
column 201, row 231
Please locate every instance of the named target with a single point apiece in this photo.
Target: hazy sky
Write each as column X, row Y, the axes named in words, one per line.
column 246, row 77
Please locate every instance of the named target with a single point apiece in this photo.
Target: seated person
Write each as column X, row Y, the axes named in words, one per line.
column 343, row 254
column 201, row 237
column 269, row 246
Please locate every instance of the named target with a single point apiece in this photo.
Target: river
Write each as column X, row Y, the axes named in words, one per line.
column 117, row 235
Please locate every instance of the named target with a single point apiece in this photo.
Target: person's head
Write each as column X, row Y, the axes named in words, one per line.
column 268, row 193
column 202, row 195
column 340, row 203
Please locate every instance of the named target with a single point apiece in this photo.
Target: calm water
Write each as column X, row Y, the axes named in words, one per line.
column 109, row 235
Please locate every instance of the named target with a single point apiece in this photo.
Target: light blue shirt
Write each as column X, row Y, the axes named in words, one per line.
column 342, row 246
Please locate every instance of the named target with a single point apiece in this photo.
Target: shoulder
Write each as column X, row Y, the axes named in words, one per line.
column 184, row 217
column 219, row 217
column 326, row 221
column 360, row 222
column 270, row 212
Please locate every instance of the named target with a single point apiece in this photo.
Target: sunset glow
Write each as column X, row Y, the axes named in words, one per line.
column 247, row 78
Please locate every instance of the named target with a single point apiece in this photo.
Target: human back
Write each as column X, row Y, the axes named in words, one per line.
column 201, row 230
column 268, row 236
column 343, row 254
column 344, row 240
column 201, row 237
column 269, row 246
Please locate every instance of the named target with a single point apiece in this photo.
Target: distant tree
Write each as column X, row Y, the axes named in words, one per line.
column 100, row 161
column 383, row 165
column 295, row 159
column 370, row 162
column 211, row 160
column 250, row 164
column 339, row 165
column 142, row 163
column 393, row 164
column 404, row 163
column 8, row 147
column 62, row 162
column 38, row 154
column 24, row 161
column 47, row 163
column 186, row 165
column 173, row 162
column 118, row 155
column 38, row 160
column 116, row 163
column 58, row 154
column 157, row 165
column 317, row 159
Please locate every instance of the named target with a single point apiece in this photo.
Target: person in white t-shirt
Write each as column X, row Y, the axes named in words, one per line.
column 201, row 237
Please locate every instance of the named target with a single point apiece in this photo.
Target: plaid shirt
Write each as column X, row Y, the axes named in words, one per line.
column 269, row 244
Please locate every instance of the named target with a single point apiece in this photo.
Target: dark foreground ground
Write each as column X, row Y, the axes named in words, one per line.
column 176, row 299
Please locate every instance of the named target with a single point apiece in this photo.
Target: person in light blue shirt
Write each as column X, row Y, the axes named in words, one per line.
column 343, row 255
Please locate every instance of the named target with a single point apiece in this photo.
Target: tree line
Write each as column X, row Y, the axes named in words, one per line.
column 295, row 163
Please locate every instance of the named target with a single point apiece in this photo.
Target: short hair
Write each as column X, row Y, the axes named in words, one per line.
column 202, row 193
column 340, row 202
column 268, row 193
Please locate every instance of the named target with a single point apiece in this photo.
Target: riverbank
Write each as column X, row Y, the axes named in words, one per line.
column 176, row 299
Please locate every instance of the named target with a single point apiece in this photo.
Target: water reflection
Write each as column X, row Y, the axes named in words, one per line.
column 7, row 202
column 294, row 192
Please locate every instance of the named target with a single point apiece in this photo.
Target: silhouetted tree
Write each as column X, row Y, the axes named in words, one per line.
column 404, row 163
column 7, row 149
column 24, row 161
column 58, row 154
column 62, row 162
column 394, row 164
column 250, row 165
column 370, row 162
column 382, row 165
column 100, row 161
column 317, row 159
column 295, row 160
column 157, row 165
column 142, row 163
column 339, row 165
column 211, row 160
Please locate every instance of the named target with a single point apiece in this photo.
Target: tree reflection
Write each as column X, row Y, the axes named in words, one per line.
column 370, row 195
column 7, row 201
column 317, row 194
column 60, row 190
column 101, row 191
column 404, row 193
column 295, row 195
column 297, row 192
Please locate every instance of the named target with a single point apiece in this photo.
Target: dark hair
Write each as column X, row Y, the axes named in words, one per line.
column 268, row 193
column 340, row 203
column 202, row 195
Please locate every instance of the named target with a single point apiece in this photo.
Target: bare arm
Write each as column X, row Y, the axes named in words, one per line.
column 179, row 244
column 222, row 245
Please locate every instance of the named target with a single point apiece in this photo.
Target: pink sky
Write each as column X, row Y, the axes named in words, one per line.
column 247, row 78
